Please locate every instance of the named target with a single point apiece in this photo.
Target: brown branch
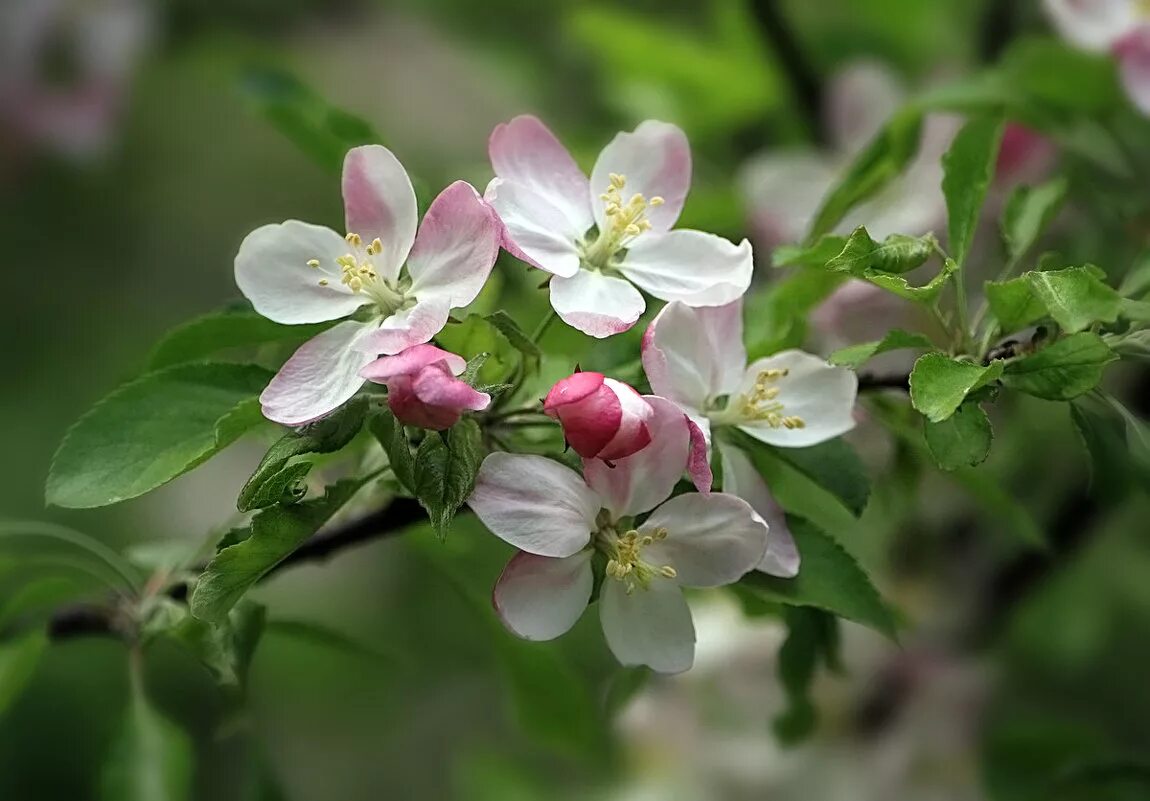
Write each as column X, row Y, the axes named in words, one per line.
column 870, row 383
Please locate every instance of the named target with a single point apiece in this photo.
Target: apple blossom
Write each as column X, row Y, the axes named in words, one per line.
column 602, row 238
column 396, row 287
column 601, row 417
column 422, row 388
column 559, row 521
column 1118, row 27
column 696, row 358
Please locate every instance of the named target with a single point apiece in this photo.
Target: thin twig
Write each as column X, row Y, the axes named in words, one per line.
column 806, row 85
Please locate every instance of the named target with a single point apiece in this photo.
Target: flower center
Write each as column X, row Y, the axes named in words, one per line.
column 625, row 557
column 626, row 219
column 761, row 404
column 357, row 273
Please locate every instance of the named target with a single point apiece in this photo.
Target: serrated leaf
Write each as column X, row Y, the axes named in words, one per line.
column 19, row 656
column 830, row 579
column 274, row 476
column 445, row 471
column 153, row 429
column 854, row 356
column 968, row 167
column 1075, row 297
column 272, row 535
column 392, row 437
column 1029, row 209
column 962, row 440
column 876, row 165
column 151, row 759
column 514, row 334
column 224, row 648
column 835, row 466
column 898, row 253
column 926, row 293
column 470, row 374
column 1014, row 303
column 939, row 384
column 1118, row 443
column 1069, row 367
column 219, row 331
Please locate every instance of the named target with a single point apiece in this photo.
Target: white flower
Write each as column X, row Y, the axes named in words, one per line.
column 401, row 286
column 559, row 520
column 696, row 358
column 634, row 196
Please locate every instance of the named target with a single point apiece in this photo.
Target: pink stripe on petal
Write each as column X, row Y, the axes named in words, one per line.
column 380, row 202
column 456, row 246
column 412, row 361
column 435, row 386
column 698, row 465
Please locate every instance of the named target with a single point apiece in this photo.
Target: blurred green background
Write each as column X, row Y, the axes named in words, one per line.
column 1015, row 667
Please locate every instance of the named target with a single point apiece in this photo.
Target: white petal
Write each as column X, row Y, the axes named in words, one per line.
column 1092, row 24
column 535, row 504
column 409, row 327
column 379, row 201
column 741, row 478
column 712, row 540
column 273, row 273
column 692, row 355
column 1133, row 53
column 320, row 376
column 539, row 598
column 784, row 191
column 655, row 160
column 640, row 482
column 860, row 99
column 526, row 152
column 697, row 268
column 596, row 304
column 456, row 246
column 651, row 627
column 822, row 395
column 534, row 230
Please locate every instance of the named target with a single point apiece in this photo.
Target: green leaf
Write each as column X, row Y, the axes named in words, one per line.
column 514, row 334
column 271, row 536
column 225, row 648
column 319, row 635
column 1118, row 443
column 968, row 168
column 1135, row 310
column 1137, row 281
column 1059, row 75
column 153, row 429
column 854, row 356
column 898, row 253
column 879, row 163
column 830, row 580
column 151, row 759
column 962, row 440
column 445, row 471
column 939, row 384
column 206, row 336
column 1070, row 367
column 19, row 657
column 812, row 636
column 391, row 435
column 1028, row 211
column 275, row 479
column 927, row 293
column 322, row 131
column 1075, row 297
column 815, row 256
column 1014, row 303
column 777, row 317
column 833, row 465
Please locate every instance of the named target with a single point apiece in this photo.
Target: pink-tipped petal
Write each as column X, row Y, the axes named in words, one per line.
column 819, row 393
column 524, row 151
column 711, row 540
column 456, row 246
column 633, row 434
column 319, row 377
column 272, row 271
column 642, row 481
column 1133, row 52
column 411, row 361
column 409, row 327
column 1092, row 24
column 650, row 626
column 590, row 419
column 741, row 478
column 698, row 462
column 540, row 598
column 655, row 161
column 436, row 386
column 379, row 202
column 535, row 504
column 696, row 268
column 572, row 389
column 411, row 411
column 596, row 304
column 534, row 230
column 693, row 355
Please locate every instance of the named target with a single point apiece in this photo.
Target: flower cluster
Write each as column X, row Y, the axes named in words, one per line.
column 604, row 240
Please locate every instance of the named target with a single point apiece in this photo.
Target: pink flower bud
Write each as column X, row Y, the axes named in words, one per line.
column 602, row 418
column 422, row 388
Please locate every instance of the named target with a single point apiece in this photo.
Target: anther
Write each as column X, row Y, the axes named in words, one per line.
column 313, row 263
